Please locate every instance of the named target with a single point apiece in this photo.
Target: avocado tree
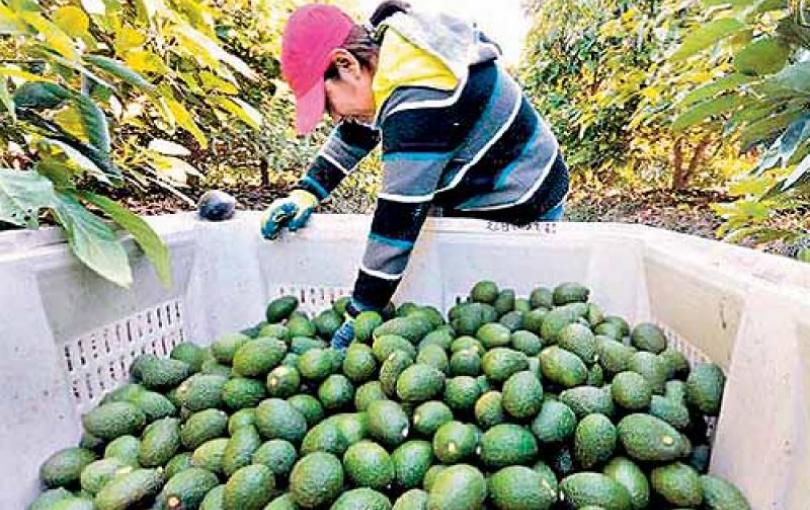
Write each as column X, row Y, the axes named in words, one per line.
column 760, row 96
column 100, row 95
column 595, row 71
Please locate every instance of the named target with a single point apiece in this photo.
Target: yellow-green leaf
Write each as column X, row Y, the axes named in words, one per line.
column 144, row 61
column 173, row 170
column 127, row 38
column 186, row 121
column 214, row 50
column 54, row 36
column 23, row 75
column 214, row 83
column 9, row 22
column 246, row 113
column 72, row 21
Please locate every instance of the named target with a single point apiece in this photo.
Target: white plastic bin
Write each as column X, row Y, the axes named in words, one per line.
column 68, row 336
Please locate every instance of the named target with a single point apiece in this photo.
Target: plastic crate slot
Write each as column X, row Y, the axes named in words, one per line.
column 68, row 359
column 99, row 360
column 89, row 385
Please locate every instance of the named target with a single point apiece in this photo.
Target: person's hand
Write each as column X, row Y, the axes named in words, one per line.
column 344, row 334
column 292, row 212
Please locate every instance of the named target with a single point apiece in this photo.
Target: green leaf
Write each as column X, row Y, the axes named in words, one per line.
column 22, row 195
column 81, row 160
column 706, row 36
column 795, row 135
column 764, row 56
column 729, row 82
column 804, row 255
column 120, row 70
column 794, row 78
column 54, row 36
column 40, row 95
column 95, row 123
column 23, row 75
column 93, row 241
column 749, row 186
column 6, row 100
column 703, row 111
column 152, row 245
column 799, row 175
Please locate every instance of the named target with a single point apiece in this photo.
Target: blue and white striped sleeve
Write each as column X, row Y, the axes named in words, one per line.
column 347, row 145
column 414, row 158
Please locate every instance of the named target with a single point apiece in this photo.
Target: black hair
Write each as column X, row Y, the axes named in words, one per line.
column 362, row 41
column 386, row 9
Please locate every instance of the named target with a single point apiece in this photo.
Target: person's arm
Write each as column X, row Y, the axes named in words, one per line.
column 415, row 153
column 346, row 146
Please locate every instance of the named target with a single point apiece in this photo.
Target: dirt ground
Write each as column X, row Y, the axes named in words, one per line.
column 687, row 212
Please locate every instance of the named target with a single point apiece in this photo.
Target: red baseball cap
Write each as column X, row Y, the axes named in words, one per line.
column 312, row 32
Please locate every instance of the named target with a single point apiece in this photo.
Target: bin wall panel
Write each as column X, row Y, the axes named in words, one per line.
column 68, row 336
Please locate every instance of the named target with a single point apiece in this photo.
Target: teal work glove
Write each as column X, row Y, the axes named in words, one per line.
column 345, row 333
column 292, row 212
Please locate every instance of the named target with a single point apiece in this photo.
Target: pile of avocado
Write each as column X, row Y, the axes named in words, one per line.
column 508, row 403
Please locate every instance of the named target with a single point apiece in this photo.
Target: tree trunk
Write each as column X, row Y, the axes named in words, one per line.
column 677, row 162
column 681, row 179
column 264, row 168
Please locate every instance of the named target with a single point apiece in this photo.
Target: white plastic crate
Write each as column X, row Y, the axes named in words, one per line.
column 68, row 336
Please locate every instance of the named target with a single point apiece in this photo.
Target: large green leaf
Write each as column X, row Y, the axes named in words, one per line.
column 120, row 70
column 81, row 160
column 708, row 35
column 795, row 135
column 151, row 244
column 95, row 123
column 764, row 56
column 707, row 109
column 40, row 95
column 92, row 240
column 729, row 82
column 765, row 128
column 22, row 195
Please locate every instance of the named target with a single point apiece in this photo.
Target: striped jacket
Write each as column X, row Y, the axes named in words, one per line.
column 479, row 151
